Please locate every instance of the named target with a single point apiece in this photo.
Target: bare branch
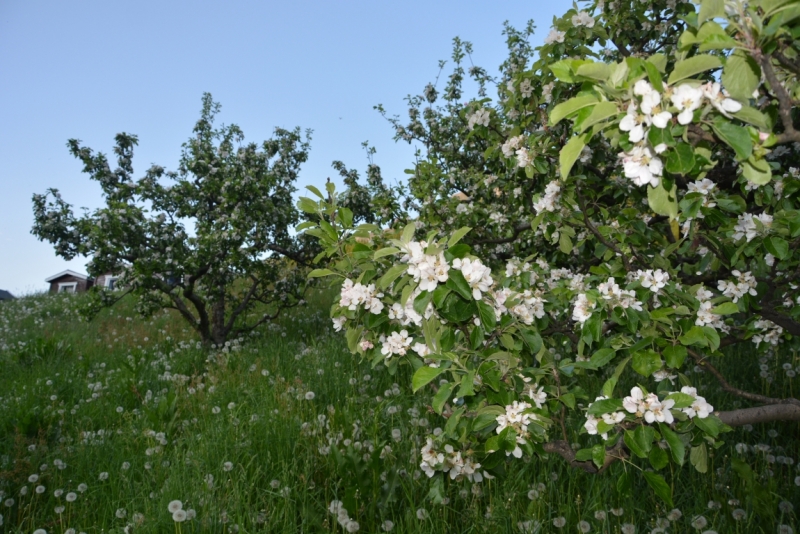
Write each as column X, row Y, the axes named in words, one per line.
column 563, row 449
column 761, row 414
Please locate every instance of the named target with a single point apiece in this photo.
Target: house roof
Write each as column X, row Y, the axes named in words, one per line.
column 67, row 273
column 5, row 295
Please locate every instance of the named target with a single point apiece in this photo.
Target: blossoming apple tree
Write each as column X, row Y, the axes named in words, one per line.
column 625, row 211
column 239, row 253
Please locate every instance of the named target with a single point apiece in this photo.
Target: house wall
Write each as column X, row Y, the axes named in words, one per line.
column 81, row 285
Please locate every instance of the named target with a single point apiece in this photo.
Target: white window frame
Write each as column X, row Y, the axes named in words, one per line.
column 62, row 287
column 109, row 280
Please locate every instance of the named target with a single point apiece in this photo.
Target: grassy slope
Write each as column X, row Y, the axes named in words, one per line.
column 244, row 447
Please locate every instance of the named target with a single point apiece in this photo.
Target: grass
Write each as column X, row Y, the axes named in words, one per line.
column 127, row 415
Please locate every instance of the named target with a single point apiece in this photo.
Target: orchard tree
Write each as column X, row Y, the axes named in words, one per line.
column 591, row 243
column 211, row 240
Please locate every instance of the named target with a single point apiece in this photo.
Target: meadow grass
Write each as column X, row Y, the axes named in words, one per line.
column 104, row 424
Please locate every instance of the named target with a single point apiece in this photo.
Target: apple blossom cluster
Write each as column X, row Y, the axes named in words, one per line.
column 582, row 309
column 343, row 517
column 554, row 36
column 397, row 343
column 583, row 19
column 548, row 202
column 479, row 118
column 749, row 225
column 513, row 147
column 705, row 317
column 745, row 284
column 477, row 275
column 538, row 396
column 516, row 418
column 699, row 408
column 624, row 298
column 769, row 332
column 407, row 314
column 641, row 164
column 524, row 306
column 450, row 462
column 355, row 295
column 609, row 419
column 649, row 407
column 651, row 279
column 428, row 270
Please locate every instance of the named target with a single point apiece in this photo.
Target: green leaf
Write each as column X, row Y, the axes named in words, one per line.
column 570, row 153
column 598, row 455
column 659, row 486
column 757, row 171
column 676, row 446
column 711, row 9
column 646, row 362
column 658, row 458
column 726, row 308
column 600, row 112
column 346, row 216
column 408, row 233
column 682, row 400
column 695, row 336
column 611, row 383
column 663, row 202
column 698, row 457
column 388, row 251
column 693, row 65
column 752, row 116
column 466, row 388
column 457, row 235
column 595, row 71
column 563, row 70
column 654, row 76
column 318, row 273
column 602, row 357
column 391, row 275
column 571, row 106
column 644, row 437
column 741, row 76
column 459, row 284
column 487, row 315
column 680, row 160
column 565, row 243
column 568, row 399
column 674, row 355
column 777, row 246
column 423, row 376
column 711, row 425
column 734, row 136
column 532, row 339
column 633, row 444
column 315, row 191
column 441, row 396
column 307, row 205
column 604, row 406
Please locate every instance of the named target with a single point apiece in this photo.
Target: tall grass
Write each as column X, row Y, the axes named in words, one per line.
column 104, row 424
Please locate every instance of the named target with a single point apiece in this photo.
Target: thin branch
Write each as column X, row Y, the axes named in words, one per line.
column 726, row 386
column 785, row 104
column 502, row 240
column 563, row 449
column 761, row 414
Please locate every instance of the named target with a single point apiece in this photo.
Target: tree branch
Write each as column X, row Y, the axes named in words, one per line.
column 761, row 414
column 563, row 449
column 726, row 386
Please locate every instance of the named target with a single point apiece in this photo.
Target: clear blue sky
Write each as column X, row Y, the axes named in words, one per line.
column 90, row 69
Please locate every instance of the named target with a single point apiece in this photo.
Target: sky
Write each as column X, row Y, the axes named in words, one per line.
column 91, row 69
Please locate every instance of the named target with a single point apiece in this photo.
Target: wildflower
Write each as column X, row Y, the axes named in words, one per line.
column 33, row 479
column 387, row 526
column 738, row 514
column 628, row 528
column 584, row 526
column 674, row 514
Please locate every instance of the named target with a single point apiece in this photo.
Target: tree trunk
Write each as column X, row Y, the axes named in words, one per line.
column 218, row 331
